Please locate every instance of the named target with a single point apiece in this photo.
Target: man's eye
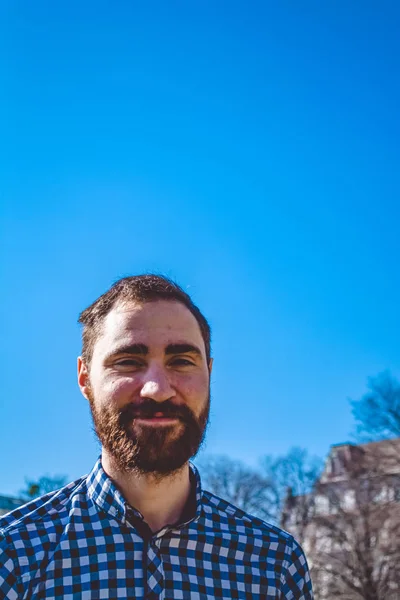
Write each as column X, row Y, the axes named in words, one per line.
column 128, row 362
column 181, row 362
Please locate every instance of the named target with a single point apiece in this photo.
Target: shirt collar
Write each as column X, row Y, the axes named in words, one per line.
column 104, row 493
column 109, row 499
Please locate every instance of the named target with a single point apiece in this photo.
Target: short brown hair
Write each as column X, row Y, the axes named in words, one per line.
column 137, row 288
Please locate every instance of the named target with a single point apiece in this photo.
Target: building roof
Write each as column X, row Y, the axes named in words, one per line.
column 382, row 456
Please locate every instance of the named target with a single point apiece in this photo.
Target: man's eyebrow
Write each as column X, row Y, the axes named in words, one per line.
column 131, row 349
column 182, row 349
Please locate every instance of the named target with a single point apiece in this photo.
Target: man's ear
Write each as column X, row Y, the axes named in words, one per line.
column 210, row 365
column 83, row 377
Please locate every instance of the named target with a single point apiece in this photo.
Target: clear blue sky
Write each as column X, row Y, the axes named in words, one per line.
column 248, row 149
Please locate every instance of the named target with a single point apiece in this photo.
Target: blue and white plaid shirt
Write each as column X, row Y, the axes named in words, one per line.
column 85, row 542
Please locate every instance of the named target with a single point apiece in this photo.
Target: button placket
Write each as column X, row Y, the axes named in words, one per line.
column 154, row 571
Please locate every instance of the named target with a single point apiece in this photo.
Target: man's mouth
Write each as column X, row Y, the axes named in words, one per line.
column 158, row 418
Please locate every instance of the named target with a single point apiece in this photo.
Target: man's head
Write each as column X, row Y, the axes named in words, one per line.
column 145, row 369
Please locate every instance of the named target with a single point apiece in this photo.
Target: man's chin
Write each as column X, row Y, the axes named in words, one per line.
column 157, row 453
column 145, row 430
column 160, row 464
column 158, row 469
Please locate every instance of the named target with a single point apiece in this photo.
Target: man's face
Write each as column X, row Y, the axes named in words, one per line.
column 148, row 386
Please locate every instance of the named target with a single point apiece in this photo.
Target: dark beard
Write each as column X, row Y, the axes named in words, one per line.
column 160, row 450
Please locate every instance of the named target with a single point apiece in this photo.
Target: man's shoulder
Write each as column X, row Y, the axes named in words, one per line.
column 230, row 518
column 38, row 514
column 28, row 532
column 263, row 540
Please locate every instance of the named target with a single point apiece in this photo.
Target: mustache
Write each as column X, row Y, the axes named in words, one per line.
column 148, row 408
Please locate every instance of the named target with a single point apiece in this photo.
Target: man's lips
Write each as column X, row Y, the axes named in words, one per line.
column 158, row 418
column 156, row 421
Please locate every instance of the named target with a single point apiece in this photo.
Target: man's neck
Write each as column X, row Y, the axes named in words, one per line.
column 160, row 501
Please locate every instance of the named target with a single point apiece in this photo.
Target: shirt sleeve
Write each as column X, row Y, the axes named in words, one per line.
column 9, row 584
column 297, row 581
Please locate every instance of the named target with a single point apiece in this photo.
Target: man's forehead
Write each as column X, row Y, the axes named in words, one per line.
column 150, row 317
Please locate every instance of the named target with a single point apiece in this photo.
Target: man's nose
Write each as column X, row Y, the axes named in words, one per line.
column 156, row 385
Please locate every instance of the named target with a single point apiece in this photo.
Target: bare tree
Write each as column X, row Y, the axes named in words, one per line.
column 239, row 484
column 292, row 479
column 354, row 538
column 263, row 493
column 377, row 414
column 44, row 485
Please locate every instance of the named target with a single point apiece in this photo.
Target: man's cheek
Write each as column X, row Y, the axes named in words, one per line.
column 119, row 390
column 196, row 391
column 193, row 385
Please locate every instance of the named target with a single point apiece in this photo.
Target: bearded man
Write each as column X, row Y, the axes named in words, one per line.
column 139, row 526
